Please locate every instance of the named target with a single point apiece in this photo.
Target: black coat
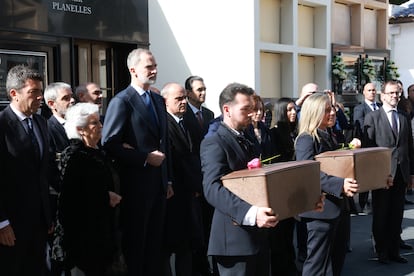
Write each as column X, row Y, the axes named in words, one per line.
column 24, row 190
column 221, row 154
column 85, row 213
column 196, row 131
column 283, row 140
column 183, row 218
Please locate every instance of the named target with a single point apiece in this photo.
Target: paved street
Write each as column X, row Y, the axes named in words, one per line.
column 362, row 261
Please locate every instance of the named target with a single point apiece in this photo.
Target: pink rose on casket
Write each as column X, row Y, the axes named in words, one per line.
column 254, row 163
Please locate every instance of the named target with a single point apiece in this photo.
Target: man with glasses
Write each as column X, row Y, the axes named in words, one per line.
column 391, row 128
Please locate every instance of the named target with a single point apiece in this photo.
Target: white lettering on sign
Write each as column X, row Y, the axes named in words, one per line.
column 72, row 7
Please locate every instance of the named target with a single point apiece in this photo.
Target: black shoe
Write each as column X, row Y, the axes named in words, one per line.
column 398, row 259
column 405, row 246
column 408, row 202
column 383, row 259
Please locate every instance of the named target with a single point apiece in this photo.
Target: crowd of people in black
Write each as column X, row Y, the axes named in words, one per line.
column 139, row 191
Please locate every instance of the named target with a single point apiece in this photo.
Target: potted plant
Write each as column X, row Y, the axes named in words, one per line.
column 338, row 72
column 368, row 70
column 391, row 71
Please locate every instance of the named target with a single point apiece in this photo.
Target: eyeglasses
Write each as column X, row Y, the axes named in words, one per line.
column 396, row 93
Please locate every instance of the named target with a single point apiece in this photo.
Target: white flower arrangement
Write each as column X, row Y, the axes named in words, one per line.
column 368, row 70
column 338, row 68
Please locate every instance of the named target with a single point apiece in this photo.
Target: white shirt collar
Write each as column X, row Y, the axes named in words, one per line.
column 176, row 118
column 60, row 119
column 194, row 109
column 138, row 89
column 368, row 102
column 388, row 109
column 19, row 114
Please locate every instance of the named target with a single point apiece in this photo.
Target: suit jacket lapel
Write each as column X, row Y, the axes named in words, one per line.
column 20, row 137
column 138, row 104
column 43, row 133
column 233, row 143
column 159, row 108
column 403, row 126
column 385, row 122
column 179, row 133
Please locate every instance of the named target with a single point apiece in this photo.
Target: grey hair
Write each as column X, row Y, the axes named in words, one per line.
column 18, row 75
column 134, row 56
column 51, row 91
column 77, row 117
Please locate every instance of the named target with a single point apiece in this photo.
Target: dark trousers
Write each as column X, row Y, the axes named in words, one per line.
column 363, row 199
column 28, row 256
column 301, row 240
column 387, row 215
column 321, row 235
column 341, row 242
column 255, row 265
column 142, row 239
column 282, row 251
column 181, row 263
column 201, row 265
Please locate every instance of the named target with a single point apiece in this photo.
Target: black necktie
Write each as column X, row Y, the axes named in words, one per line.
column 186, row 134
column 394, row 122
column 32, row 136
column 374, row 106
column 245, row 144
column 181, row 124
column 200, row 118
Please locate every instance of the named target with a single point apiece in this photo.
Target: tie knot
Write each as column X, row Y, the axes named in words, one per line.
column 29, row 122
column 374, row 106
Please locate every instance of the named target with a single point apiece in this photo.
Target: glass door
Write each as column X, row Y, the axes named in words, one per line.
column 94, row 65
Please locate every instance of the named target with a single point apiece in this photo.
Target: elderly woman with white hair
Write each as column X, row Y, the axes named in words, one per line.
column 86, row 201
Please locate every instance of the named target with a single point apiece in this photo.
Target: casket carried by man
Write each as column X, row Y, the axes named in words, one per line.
column 289, row 188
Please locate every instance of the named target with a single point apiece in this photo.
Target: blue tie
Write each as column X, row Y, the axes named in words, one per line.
column 147, row 101
column 32, row 136
column 374, row 106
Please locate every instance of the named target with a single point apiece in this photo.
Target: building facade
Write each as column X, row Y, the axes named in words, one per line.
column 275, row 46
column 74, row 41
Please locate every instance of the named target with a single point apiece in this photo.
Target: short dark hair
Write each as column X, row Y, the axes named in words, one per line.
column 230, row 91
column 18, row 75
column 188, row 85
column 390, row 82
column 409, row 87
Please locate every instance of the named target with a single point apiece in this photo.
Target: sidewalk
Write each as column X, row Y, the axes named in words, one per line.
column 362, row 260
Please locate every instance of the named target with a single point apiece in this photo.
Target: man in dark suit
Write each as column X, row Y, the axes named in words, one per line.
column 369, row 104
column 24, row 201
column 197, row 119
column 89, row 92
column 183, row 224
column 197, row 116
column 135, row 135
column 57, row 97
column 389, row 127
column 237, row 240
column 362, row 109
